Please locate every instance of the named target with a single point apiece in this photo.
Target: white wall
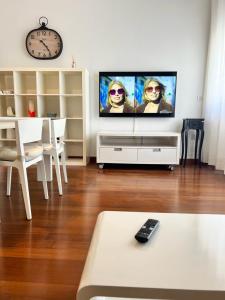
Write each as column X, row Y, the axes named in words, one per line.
column 118, row 35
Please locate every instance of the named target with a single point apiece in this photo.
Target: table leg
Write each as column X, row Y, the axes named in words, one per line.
column 182, row 144
column 196, row 144
column 200, row 147
column 186, row 147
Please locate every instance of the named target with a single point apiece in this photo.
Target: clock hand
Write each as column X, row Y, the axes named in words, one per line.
column 45, row 46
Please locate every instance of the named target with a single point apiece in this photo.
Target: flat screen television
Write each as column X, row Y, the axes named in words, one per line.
column 137, row 94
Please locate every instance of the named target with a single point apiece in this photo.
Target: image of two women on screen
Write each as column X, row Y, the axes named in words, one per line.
column 139, row 94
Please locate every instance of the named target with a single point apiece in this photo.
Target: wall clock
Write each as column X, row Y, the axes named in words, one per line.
column 43, row 42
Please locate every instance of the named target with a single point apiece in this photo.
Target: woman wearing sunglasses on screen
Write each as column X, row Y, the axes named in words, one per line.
column 153, row 98
column 117, row 101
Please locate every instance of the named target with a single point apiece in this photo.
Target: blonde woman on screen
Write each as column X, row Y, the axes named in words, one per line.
column 154, row 98
column 117, row 101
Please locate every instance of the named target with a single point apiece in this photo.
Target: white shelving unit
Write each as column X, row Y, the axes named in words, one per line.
column 63, row 92
column 162, row 148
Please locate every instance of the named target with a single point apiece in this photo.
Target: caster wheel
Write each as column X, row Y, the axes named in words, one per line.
column 171, row 168
column 101, row 166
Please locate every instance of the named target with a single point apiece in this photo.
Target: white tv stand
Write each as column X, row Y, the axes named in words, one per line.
column 152, row 147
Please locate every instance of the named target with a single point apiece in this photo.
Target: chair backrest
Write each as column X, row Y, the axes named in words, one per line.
column 58, row 130
column 28, row 131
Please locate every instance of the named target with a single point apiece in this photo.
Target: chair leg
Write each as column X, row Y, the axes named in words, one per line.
column 58, row 173
column 9, row 179
column 43, row 176
column 63, row 159
column 25, row 189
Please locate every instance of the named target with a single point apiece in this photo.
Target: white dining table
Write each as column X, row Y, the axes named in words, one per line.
column 10, row 123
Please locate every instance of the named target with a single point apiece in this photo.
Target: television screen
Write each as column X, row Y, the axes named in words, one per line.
column 138, row 94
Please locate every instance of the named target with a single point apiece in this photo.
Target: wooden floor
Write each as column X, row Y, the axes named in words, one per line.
column 44, row 258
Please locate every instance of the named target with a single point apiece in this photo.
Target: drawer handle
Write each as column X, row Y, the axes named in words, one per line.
column 157, row 150
column 117, row 149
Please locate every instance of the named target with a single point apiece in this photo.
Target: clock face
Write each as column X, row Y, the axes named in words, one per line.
column 44, row 43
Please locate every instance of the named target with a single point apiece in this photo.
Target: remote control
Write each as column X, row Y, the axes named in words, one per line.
column 145, row 232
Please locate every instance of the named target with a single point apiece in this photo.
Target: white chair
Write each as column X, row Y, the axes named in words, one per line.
column 24, row 155
column 57, row 148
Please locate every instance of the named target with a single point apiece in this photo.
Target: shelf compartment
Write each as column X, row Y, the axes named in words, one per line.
column 71, row 107
column 71, row 82
column 133, row 141
column 48, row 82
column 8, row 143
column 8, row 135
column 6, row 82
column 22, row 105
column 5, row 102
column 157, row 141
column 120, row 141
column 48, row 105
column 74, row 150
column 25, row 82
column 74, row 129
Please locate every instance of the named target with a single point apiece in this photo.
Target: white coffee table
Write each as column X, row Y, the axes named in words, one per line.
column 185, row 259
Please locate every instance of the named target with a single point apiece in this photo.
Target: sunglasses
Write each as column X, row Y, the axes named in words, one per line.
column 150, row 89
column 119, row 91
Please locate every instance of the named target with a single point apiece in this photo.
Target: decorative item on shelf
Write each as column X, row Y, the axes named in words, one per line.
column 51, row 115
column 10, row 111
column 6, row 92
column 43, row 42
column 31, row 109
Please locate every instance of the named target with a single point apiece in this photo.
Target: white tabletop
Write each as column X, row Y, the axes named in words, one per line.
column 185, row 259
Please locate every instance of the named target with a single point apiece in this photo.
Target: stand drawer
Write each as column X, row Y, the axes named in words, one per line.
column 158, row 156
column 117, row 154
